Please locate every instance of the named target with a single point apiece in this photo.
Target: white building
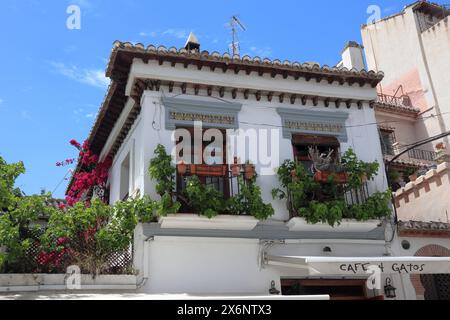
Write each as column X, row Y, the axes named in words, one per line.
column 155, row 90
column 412, row 47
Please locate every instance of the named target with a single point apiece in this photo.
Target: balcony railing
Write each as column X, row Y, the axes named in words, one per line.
column 422, row 154
column 223, row 178
column 402, row 101
column 415, row 154
column 351, row 197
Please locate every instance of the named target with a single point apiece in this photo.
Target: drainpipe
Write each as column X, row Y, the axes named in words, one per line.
column 145, row 260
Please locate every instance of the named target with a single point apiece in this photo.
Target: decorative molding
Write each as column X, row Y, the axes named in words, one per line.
column 313, row 122
column 184, row 112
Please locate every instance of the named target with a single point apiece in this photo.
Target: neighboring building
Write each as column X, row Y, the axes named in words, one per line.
column 157, row 90
column 413, row 49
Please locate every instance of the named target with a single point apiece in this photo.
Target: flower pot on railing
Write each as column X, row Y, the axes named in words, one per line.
column 413, row 177
column 182, row 168
column 204, row 170
column 249, row 171
column 338, row 177
column 235, row 170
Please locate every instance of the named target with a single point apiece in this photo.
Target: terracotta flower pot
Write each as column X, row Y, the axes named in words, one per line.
column 322, row 176
column 235, row 170
column 413, row 177
column 249, row 171
column 182, row 168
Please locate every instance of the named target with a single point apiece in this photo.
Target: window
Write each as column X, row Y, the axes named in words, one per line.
column 125, row 178
column 302, row 143
column 387, row 138
column 207, row 157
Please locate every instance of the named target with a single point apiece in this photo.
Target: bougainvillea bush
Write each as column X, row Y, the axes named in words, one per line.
column 87, row 233
column 92, row 173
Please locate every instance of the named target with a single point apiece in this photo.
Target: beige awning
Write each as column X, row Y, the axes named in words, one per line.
column 351, row 266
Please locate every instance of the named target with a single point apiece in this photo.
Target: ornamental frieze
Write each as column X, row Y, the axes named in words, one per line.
column 219, row 119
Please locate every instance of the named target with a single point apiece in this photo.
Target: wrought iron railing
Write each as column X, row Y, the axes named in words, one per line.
column 402, row 101
column 223, row 178
column 422, row 154
column 354, row 196
column 415, row 154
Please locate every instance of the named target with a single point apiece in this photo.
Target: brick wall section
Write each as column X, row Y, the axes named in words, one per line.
column 432, row 250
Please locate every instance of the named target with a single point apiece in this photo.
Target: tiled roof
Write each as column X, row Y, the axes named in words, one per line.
column 424, row 229
column 226, row 58
column 392, row 108
column 408, row 162
column 421, row 225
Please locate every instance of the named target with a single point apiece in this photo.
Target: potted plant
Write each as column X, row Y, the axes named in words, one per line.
column 182, row 168
column 411, row 174
column 249, row 171
column 235, row 168
column 338, row 177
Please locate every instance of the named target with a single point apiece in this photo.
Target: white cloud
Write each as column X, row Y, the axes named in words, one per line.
column 91, row 115
column 93, row 77
column 261, row 52
column 152, row 34
column 177, row 33
column 171, row 32
column 1, row 100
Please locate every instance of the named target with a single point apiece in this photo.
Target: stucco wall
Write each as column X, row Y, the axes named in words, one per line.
column 427, row 198
column 419, row 61
column 215, row 265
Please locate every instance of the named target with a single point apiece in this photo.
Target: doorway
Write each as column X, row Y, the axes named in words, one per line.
column 337, row 289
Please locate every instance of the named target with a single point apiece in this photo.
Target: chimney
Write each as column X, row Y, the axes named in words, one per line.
column 192, row 43
column 352, row 56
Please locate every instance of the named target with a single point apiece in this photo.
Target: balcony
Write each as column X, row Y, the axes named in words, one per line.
column 403, row 101
column 412, row 156
column 331, row 193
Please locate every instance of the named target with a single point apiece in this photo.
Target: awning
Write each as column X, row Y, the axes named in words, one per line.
column 362, row 265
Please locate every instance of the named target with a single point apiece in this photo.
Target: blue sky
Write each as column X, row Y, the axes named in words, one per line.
column 52, row 78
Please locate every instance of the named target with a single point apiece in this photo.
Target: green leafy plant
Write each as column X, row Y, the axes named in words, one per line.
column 325, row 202
column 358, row 170
column 249, row 201
column 163, row 172
column 205, row 200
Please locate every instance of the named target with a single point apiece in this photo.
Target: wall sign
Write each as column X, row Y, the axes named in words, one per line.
column 313, row 123
column 216, row 114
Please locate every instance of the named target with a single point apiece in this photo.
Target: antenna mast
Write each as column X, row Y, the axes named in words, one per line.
column 235, row 23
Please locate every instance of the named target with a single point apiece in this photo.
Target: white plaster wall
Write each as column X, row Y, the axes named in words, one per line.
column 225, row 266
column 433, row 205
column 363, row 138
column 405, row 131
column 396, row 46
column 436, row 42
column 133, row 144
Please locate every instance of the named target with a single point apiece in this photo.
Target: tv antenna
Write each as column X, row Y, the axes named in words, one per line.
column 236, row 24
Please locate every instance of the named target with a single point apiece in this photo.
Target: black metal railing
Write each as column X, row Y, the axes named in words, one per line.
column 415, row 154
column 223, row 178
column 422, row 155
column 355, row 196
column 402, row 101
